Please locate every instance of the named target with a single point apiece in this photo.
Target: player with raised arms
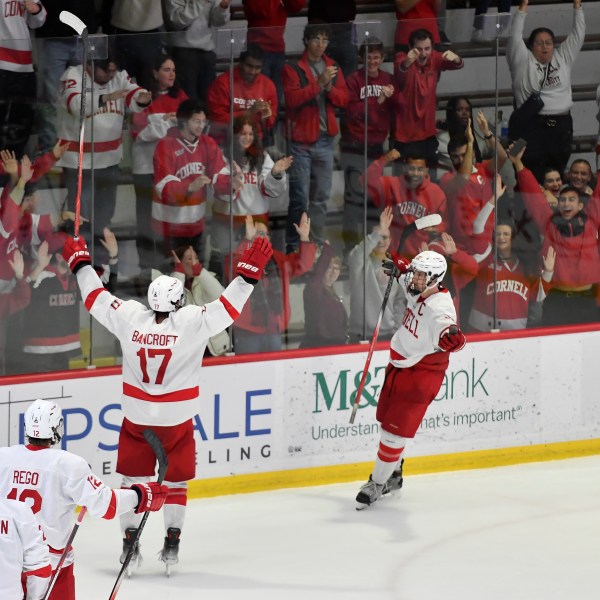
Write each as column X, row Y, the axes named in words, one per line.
column 162, row 350
column 418, row 362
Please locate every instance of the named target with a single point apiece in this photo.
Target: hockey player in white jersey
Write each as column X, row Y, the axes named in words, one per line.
column 54, row 482
column 23, row 552
column 162, row 352
column 418, row 362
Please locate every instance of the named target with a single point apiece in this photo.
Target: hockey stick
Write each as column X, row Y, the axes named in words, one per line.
column 65, row 552
column 422, row 223
column 80, row 27
column 161, row 457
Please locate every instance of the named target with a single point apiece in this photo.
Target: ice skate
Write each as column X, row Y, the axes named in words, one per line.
column 170, row 551
column 369, row 493
column 136, row 557
column 394, row 481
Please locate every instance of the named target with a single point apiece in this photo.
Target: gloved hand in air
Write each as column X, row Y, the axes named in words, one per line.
column 76, row 253
column 395, row 265
column 254, row 259
column 452, row 340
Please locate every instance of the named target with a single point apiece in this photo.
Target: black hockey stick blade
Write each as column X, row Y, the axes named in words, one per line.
column 163, row 463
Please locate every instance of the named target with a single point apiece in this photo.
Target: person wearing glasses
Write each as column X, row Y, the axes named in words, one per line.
column 539, row 67
column 314, row 88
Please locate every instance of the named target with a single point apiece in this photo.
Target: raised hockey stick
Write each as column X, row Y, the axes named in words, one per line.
column 80, row 27
column 65, row 552
column 422, row 223
column 161, row 458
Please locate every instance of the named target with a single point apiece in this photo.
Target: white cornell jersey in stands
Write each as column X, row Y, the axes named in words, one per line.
column 424, row 321
column 161, row 361
column 22, row 551
column 53, row 483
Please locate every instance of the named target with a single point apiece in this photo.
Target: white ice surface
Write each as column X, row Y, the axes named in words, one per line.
column 529, row 532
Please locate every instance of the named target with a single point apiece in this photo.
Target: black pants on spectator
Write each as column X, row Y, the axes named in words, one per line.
column 196, row 70
column 17, row 112
column 569, row 308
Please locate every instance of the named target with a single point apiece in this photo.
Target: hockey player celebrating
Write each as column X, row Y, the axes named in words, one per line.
column 162, row 352
column 54, row 482
column 418, row 361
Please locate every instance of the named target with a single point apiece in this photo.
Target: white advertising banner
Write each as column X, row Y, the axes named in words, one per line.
column 293, row 413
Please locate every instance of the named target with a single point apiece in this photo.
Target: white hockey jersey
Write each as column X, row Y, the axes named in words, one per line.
column 22, row 550
column 161, row 361
column 53, row 482
column 108, row 118
column 424, row 321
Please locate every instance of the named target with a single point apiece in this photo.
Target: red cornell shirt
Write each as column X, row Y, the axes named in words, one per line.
column 415, row 102
column 421, row 16
column 408, row 204
column 378, row 118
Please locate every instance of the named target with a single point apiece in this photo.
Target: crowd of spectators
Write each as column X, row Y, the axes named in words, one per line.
column 212, row 152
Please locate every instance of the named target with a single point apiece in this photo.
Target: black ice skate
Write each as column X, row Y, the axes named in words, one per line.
column 395, row 480
column 136, row 557
column 170, row 551
column 369, row 493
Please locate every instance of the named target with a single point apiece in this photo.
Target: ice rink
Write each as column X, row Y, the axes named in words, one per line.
column 529, row 532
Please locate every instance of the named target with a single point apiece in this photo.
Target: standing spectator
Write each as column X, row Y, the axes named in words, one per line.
column 417, row 366
column 185, row 162
column 266, row 26
column 17, row 77
column 162, row 353
column 368, row 283
column 572, row 231
column 537, row 68
column 113, row 92
column 339, row 15
column 377, row 86
column 253, row 93
column 265, row 317
column 57, row 50
column 192, row 43
column 506, row 279
column 580, row 176
column 23, row 553
column 261, row 181
column 147, row 127
column 412, row 15
column 61, row 481
column 314, row 88
column 139, row 30
column 325, row 317
column 411, row 196
column 417, row 74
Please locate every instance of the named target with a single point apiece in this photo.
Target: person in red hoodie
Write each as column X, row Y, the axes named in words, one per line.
column 265, row 317
column 411, row 196
column 314, row 88
column 186, row 162
column 572, row 230
column 253, row 93
column 266, row 26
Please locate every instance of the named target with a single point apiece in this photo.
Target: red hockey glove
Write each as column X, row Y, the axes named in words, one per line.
column 76, row 253
column 453, row 340
column 254, row 259
column 395, row 265
column 151, row 496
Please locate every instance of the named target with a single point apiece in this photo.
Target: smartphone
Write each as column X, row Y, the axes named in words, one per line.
column 517, row 147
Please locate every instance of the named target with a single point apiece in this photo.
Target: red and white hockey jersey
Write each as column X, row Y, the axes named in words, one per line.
column 161, row 361
column 15, row 40
column 108, row 118
column 22, row 551
column 53, row 483
column 424, row 321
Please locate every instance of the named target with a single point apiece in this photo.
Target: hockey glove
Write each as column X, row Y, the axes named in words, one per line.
column 453, row 340
column 151, row 496
column 395, row 265
column 76, row 253
column 254, row 259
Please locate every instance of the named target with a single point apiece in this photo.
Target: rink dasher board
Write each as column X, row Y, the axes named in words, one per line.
column 285, row 422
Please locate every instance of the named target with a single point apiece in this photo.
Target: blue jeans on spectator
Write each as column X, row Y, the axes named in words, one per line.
column 272, row 67
column 248, row 342
column 310, row 179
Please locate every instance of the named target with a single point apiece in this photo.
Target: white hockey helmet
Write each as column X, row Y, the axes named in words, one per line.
column 433, row 264
column 166, row 294
column 44, row 421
